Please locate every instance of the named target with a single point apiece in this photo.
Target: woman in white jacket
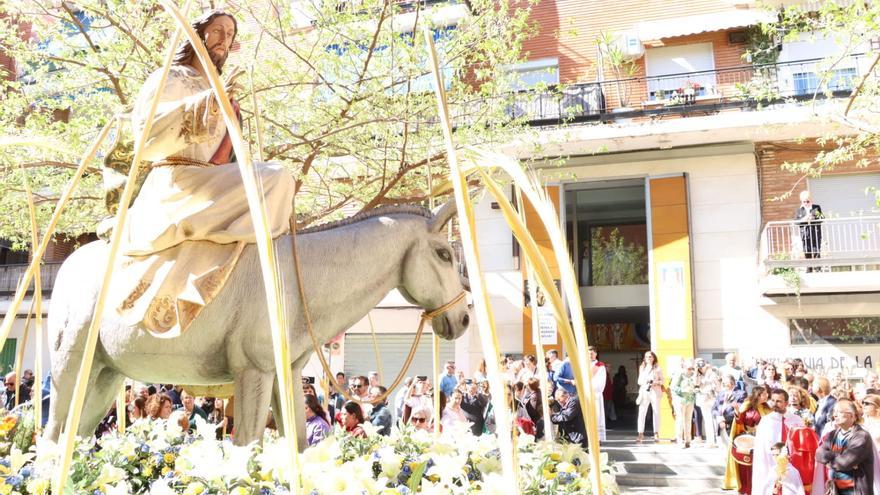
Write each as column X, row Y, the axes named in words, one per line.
column 650, row 392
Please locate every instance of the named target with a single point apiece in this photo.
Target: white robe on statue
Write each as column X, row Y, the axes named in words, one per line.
column 768, row 433
column 191, row 220
column 599, row 380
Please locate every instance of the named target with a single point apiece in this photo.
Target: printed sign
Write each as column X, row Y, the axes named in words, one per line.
column 671, row 307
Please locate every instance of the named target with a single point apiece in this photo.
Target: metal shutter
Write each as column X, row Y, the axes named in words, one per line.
column 360, row 356
column 844, row 195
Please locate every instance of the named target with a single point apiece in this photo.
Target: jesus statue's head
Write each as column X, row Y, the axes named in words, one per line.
column 217, row 30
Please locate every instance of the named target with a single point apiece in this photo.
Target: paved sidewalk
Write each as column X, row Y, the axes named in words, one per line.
column 655, row 468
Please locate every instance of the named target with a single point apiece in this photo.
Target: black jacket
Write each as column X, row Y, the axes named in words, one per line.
column 571, row 422
column 474, row 408
column 856, row 459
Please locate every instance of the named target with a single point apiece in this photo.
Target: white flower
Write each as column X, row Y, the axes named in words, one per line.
column 390, row 461
column 205, row 430
column 370, row 429
column 108, row 475
column 160, row 487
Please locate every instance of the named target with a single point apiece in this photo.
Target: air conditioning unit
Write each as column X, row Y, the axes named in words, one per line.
column 630, row 45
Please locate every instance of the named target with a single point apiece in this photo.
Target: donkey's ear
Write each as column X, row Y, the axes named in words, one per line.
column 442, row 216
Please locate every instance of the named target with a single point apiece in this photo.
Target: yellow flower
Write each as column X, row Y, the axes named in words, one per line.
column 4, row 488
column 166, row 470
column 240, row 490
column 566, row 467
column 168, row 458
column 549, row 475
column 148, row 471
column 194, row 489
column 555, row 456
column 7, row 424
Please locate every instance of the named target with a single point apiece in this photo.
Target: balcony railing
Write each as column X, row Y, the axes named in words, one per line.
column 707, row 91
column 11, row 274
column 850, row 241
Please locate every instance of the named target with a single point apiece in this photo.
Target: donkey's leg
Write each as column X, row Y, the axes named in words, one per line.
column 67, row 354
column 299, row 404
column 253, row 392
column 102, row 392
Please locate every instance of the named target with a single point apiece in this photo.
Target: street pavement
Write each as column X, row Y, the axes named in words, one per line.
column 655, row 468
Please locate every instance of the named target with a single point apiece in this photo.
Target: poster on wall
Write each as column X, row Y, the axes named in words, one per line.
column 546, row 320
column 671, row 304
column 619, row 337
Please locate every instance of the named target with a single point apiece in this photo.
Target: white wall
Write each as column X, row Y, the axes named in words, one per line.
column 503, row 283
column 17, row 332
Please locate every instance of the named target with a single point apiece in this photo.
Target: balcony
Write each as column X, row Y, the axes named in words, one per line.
column 697, row 93
column 11, row 274
column 847, row 259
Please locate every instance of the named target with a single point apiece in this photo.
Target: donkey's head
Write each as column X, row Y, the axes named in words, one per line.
column 431, row 278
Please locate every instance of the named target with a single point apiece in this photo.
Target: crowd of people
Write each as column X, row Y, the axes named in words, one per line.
column 788, row 430
column 821, row 428
column 463, row 400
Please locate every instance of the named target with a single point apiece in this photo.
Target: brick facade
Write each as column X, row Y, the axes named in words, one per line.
column 774, row 182
column 568, row 29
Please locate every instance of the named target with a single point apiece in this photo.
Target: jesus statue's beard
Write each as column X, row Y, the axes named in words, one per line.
column 218, row 59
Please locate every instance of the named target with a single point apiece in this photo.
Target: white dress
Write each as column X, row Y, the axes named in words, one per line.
column 599, row 380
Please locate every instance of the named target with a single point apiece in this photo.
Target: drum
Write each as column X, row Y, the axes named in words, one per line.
column 741, row 450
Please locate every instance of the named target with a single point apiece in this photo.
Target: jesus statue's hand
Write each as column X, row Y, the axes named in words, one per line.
column 232, row 85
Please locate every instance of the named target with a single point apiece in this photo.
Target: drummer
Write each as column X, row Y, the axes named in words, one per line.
column 739, row 459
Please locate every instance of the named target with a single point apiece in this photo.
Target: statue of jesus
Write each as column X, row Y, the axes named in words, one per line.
column 193, row 190
column 190, row 221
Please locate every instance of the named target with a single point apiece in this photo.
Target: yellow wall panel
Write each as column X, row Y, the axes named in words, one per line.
column 672, row 327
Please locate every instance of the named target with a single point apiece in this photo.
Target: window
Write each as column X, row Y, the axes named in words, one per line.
column 672, row 69
column 544, row 71
column 844, row 330
column 846, row 195
column 807, row 83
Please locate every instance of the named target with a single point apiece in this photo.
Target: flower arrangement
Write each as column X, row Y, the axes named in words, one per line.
column 159, row 458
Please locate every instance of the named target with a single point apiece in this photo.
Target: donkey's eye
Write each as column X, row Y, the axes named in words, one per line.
column 444, row 255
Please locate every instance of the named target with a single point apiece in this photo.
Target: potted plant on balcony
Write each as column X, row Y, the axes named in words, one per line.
column 622, row 67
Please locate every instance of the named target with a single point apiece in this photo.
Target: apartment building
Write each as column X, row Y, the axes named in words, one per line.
column 676, row 207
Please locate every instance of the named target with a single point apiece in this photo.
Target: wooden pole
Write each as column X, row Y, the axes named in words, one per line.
column 19, row 356
column 37, row 390
column 260, row 219
column 79, row 391
column 376, row 348
column 257, row 120
column 435, row 340
column 483, row 311
column 120, row 410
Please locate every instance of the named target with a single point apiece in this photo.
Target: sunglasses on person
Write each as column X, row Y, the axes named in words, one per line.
column 420, row 420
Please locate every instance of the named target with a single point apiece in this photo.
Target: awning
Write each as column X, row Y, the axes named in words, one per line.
column 703, row 23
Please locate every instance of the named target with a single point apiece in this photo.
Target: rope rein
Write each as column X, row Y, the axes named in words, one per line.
column 426, row 315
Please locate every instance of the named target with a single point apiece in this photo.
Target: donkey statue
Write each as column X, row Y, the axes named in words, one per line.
column 347, row 268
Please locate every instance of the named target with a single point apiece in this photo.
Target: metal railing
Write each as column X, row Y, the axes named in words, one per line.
column 11, row 274
column 687, row 91
column 847, row 241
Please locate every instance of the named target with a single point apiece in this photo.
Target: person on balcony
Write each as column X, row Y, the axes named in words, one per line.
column 809, row 217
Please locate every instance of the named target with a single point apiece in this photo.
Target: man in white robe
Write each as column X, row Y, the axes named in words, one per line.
column 772, row 429
column 191, row 219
